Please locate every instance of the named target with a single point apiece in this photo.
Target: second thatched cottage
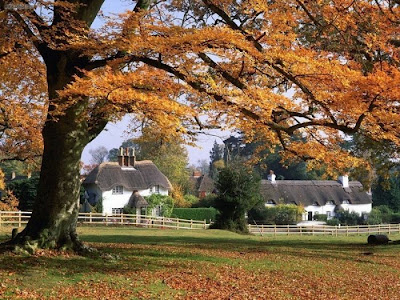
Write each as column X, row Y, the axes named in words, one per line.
column 318, row 196
column 125, row 183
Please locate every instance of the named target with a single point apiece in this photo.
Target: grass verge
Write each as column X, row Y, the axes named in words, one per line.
column 206, row 264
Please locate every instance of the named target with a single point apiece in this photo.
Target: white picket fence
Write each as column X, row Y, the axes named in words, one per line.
column 324, row 229
column 20, row 218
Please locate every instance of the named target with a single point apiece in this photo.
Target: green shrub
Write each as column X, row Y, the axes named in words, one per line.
column 98, row 207
column 320, row 217
column 207, row 201
column 395, row 218
column 386, row 213
column 191, row 199
column 349, row 218
column 195, row 213
column 165, row 202
column 374, row 217
column 281, row 214
column 129, row 210
column 333, row 222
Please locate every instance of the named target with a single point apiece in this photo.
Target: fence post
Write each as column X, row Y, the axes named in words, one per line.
column 122, row 219
column 347, row 230
column 288, row 229
column 191, row 224
column 275, row 230
column 90, row 217
column 205, row 224
column 312, row 228
column 19, row 219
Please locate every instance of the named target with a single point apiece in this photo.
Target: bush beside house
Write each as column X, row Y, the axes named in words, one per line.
column 195, row 213
column 281, row 214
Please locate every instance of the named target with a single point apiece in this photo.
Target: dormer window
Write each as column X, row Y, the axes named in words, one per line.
column 330, row 202
column 118, row 190
column 346, row 202
column 315, row 203
column 270, row 202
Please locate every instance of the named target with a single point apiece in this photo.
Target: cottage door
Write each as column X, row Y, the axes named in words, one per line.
column 309, row 216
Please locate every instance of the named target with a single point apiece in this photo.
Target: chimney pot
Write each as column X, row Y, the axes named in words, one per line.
column 344, row 180
column 271, row 176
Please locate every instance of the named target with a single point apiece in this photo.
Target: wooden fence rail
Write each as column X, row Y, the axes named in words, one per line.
column 20, row 218
column 324, row 229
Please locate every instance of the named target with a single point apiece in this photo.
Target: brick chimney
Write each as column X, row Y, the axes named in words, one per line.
column 126, row 157
column 121, row 157
column 196, row 173
column 132, row 158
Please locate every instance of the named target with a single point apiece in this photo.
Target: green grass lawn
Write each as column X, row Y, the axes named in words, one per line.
column 206, row 264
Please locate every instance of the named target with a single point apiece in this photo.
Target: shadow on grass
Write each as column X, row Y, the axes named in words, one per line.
column 135, row 258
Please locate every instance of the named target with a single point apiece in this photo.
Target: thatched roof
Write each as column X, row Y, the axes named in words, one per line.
column 206, row 184
column 144, row 175
column 202, row 183
column 310, row 192
column 137, row 201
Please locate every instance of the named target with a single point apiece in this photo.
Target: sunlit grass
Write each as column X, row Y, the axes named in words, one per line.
column 206, row 264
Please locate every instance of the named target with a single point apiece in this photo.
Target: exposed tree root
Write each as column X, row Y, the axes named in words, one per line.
column 24, row 245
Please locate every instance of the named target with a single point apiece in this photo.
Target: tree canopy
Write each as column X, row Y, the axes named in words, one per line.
column 321, row 69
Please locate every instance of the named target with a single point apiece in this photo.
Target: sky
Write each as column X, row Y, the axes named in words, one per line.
column 115, row 133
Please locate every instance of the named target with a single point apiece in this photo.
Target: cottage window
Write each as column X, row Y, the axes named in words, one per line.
column 329, row 202
column 315, row 204
column 270, row 202
column 156, row 189
column 118, row 190
column 346, row 202
column 117, row 211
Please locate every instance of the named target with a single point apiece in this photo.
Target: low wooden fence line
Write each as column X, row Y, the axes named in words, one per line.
column 324, row 229
column 20, row 218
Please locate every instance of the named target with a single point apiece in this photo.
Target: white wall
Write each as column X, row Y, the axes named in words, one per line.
column 358, row 208
column 111, row 201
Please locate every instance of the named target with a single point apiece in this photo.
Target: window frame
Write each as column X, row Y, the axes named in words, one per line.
column 118, row 190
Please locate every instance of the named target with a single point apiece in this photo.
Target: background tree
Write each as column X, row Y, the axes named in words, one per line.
column 9, row 202
column 216, row 159
column 98, row 154
column 238, row 192
column 114, row 152
column 169, row 155
column 159, row 61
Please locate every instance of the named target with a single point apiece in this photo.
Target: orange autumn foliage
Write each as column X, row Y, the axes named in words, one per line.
column 321, row 69
column 9, row 202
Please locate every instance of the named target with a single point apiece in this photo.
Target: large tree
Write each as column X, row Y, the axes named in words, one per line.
column 321, row 68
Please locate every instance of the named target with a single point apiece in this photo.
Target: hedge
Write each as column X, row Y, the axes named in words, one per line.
column 195, row 213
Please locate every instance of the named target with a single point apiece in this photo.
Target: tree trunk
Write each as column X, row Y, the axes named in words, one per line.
column 54, row 216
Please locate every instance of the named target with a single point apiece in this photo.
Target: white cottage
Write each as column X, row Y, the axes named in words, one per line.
column 125, row 182
column 317, row 196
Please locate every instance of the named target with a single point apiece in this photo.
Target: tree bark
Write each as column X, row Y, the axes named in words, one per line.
column 54, row 216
